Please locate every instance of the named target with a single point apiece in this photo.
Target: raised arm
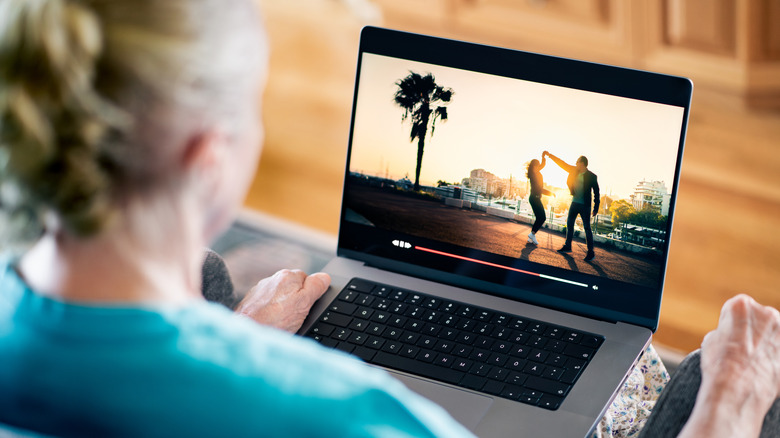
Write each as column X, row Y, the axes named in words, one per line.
column 562, row 164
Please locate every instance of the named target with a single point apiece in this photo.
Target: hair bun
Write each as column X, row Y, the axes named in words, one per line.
column 52, row 121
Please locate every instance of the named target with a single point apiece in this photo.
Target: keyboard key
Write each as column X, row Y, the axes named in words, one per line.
column 552, row 373
column 322, row 329
column 413, row 325
column 528, row 400
column 348, row 295
column 483, row 342
column 591, row 341
column 444, row 360
column 416, row 367
column 557, row 360
column 466, row 311
column 461, row 364
column 449, row 308
column 533, row 368
column 466, row 338
column 432, row 303
column 357, row 338
column 382, row 291
column 449, row 334
column 336, row 319
column 536, row 328
column 358, row 324
column 480, row 355
column 493, row 387
column 516, row 378
column 363, row 313
column 483, row 315
column 397, row 321
column 538, row 356
column 480, row 369
column 462, row 350
column 364, row 300
column 498, row 359
column 392, row 347
column 427, row 342
column 444, row 346
column 516, row 364
column 511, row 392
column 346, row 347
column 398, row 295
column 413, row 298
column 375, row 329
column 392, row 333
column 547, row 386
column 572, row 337
column 382, row 304
column 430, row 329
column 374, row 342
column 410, row 337
column 366, row 354
column 550, row 402
column 360, row 286
column 382, row 317
column 578, row 351
column 414, row 312
column 473, row 382
column 498, row 374
column 409, row 351
column 426, row 356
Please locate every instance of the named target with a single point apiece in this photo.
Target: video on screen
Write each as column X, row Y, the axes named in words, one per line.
column 562, row 177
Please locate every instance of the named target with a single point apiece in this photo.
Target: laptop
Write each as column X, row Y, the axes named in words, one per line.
column 436, row 279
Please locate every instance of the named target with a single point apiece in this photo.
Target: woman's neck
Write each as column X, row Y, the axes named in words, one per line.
column 115, row 267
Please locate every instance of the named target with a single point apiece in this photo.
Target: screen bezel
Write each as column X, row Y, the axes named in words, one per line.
column 635, row 304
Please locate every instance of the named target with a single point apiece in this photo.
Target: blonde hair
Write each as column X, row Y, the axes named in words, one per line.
column 92, row 93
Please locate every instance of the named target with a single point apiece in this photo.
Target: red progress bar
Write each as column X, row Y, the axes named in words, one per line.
column 482, row 262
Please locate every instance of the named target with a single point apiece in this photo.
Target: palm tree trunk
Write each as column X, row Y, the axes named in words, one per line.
column 420, row 149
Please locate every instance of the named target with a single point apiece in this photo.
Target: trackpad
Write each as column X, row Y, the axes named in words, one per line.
column 466, row 407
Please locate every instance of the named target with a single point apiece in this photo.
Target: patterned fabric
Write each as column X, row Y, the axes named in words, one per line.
column 629, row 412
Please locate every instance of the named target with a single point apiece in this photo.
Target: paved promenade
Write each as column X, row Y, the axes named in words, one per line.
column 489, row 233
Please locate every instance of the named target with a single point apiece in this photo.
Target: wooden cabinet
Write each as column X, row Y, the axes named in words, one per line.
column 732, row 46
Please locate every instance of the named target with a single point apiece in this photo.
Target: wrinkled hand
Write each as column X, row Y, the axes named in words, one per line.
column 284, row 299
column 744, row 351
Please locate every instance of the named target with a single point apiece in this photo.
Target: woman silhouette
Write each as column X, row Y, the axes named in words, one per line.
column 535, row 198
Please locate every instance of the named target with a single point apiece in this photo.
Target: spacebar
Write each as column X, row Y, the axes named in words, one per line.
column 416, row 367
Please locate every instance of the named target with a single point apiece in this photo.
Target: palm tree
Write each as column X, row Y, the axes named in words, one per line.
column 425, row 101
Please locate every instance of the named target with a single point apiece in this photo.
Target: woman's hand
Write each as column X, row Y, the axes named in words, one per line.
column 740, row 367
column 284, row 299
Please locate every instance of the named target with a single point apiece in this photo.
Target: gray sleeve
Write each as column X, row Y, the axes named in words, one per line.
column 216, row 285
column 673, row 408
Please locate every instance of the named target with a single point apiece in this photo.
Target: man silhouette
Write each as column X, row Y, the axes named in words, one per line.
column 581, row 182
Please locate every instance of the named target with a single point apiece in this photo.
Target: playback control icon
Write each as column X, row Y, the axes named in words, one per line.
column 402, row 244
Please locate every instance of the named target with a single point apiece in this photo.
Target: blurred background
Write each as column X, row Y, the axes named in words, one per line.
column 726, row 237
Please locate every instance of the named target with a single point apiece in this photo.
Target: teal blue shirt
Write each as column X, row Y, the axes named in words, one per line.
column 187, row 371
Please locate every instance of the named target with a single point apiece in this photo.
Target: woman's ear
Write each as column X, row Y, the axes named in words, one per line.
column 203, row 152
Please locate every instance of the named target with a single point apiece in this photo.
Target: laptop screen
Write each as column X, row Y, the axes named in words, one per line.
column 531, row 177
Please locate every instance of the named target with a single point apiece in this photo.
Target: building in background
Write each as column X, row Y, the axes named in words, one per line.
column 651, row 193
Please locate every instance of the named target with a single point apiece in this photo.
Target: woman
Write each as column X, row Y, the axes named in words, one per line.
column 533, row 172
column 129, row 131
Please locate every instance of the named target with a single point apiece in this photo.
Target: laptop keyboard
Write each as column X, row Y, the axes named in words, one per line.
column 479, row 349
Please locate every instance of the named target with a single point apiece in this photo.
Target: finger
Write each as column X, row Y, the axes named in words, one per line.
column 315, row 285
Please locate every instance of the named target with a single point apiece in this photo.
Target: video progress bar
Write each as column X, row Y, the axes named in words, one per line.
column 508, row 268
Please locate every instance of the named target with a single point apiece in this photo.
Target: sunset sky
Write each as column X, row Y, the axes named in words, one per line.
column 499, row 124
